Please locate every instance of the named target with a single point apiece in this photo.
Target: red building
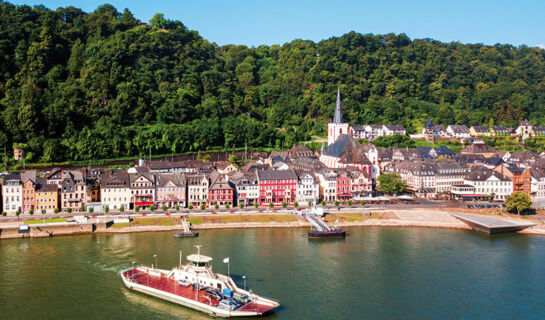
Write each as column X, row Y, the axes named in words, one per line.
column 277, row 186
column 344, row 188
column 220, row 191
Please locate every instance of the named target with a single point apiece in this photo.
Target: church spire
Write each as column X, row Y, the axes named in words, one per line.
column 338, row 117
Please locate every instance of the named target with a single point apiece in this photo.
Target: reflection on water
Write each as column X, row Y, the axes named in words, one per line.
column 375, row 273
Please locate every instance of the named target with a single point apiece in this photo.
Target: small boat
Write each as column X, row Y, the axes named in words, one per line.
column 188, row 232
column 322, row 230
column 197, row 287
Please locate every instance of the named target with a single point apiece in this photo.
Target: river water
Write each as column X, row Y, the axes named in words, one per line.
column 375, row 273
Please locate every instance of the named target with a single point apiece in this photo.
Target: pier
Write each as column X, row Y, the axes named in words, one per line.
column 492, row 225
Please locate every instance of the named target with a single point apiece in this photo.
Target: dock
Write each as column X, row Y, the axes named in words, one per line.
column 492, row 225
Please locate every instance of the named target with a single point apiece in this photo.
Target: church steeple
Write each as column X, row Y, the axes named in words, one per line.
column 338, row 117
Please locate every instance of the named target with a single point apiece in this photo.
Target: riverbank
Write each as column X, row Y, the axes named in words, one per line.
column 422, row 218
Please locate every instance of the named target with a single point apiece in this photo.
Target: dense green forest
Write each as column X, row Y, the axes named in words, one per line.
column 76, row 85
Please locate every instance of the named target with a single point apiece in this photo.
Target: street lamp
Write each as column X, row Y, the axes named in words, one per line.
column 155, row 256
column 244, row 278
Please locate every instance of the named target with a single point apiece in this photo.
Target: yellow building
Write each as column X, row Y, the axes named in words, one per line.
column 476, row 131
column 47, row 197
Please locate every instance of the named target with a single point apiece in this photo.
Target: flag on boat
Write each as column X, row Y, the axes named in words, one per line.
column 226, row 260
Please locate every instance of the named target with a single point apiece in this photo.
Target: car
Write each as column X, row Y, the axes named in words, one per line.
column 470, row 206
column 213, row 294
column 184, row 283
column 234, row 301
column 228, row 303
column 242, row 298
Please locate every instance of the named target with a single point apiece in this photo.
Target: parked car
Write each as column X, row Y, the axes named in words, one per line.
column 184, row 283
column 228, row 303
column 213, row 294
column 235, row 302
column 242, row 298
column 200, row 286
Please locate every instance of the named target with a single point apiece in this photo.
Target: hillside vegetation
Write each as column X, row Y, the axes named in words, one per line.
column 76, row 85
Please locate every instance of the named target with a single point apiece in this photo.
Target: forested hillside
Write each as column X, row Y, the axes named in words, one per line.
column 82, row 86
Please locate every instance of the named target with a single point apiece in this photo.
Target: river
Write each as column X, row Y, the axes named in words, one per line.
column 375, row 273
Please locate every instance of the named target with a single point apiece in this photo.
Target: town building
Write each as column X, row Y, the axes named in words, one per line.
column 488, row 183
column 220, row 191
column 328, row 185
column 12, row 193
column 115, row 191
column 525, row 129
column 197, row 190
column 277, row 186
column 47, row 197
column 337, row 127
column 247, row 188
column 477, row 131
column 143, row 189
column 73, row 191
column 347, row 152
column 458, row 131
column 171, row 190
column 479, row 148
column 344, row 185
column 308, row 188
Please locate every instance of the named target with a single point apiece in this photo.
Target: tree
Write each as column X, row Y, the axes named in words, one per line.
column 362, row 203
column 190, row 207
column 91, row 210
column 158, row 20
column 152, row 208
column 323, row 203
column 17, row 213
column 337, row 203
column 226, row 206
column 56, row 210
column 31, row 212
column 296, row 204
column 177, row 207
column 256, row 205
column 518, row 202
column 82, row 209
column 203, row 207
column 349, row 203
column 68, row 210
column 121, row 209
column 391, row 183
column 4, row 213
column 137, row 208
column 164, row 207
column 284, row 205
column 271, row 205
column 106, row 209
column 216, row 206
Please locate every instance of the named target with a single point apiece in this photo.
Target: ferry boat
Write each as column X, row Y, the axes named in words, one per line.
column 188, row 232
column 196, row 286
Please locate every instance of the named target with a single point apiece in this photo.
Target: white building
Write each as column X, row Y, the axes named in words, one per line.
column 337, row 127
column 489, row 183
column 308, row 189
column 115, row 191
column 12, row 194
column 328, row 185
column 459, row 131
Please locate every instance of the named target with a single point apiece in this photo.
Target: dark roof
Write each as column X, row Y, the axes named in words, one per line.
column 500, row 129
column 338, row 117
column 276, row 174
column 444, row 150
column 481, row 129
column 525, row 122
column 395, row 127
column 459, row 128
column 483, row 174
column 347, row 149
column 478, row 148
column 429, row 124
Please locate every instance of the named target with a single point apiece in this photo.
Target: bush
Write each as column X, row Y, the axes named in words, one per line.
column 203, row 207
column 296, row 204
column 121, row 209
column 216, row 206
column 137, row 208
column 284, row 205
column 271, row 205
column 17, row 213
column 323, row 203
column 177, row 207
column 31, row 212
column 68, row 210
column 56, row 210
column 190, row 207
column 362, row 203
column 337, row 203
column 91, row 210
column 152, row 208
column 241, row 205
column 349, row 202
column 4, row 213
column 43, row 211
column 106, row 209
column 164, row 207
column 82, row 209
column 256, row 205
column 309, row 203
column 226, row 206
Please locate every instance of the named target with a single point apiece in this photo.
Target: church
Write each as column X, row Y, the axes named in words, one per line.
column 344, row 150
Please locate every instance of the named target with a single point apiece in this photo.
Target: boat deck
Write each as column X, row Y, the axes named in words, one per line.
column 172, row 286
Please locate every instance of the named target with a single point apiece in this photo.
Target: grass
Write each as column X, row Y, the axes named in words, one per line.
column 148, row 222
column 46, row 221
column 261, row 218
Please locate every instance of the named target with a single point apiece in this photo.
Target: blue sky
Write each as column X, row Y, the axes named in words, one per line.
column 255, row 22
